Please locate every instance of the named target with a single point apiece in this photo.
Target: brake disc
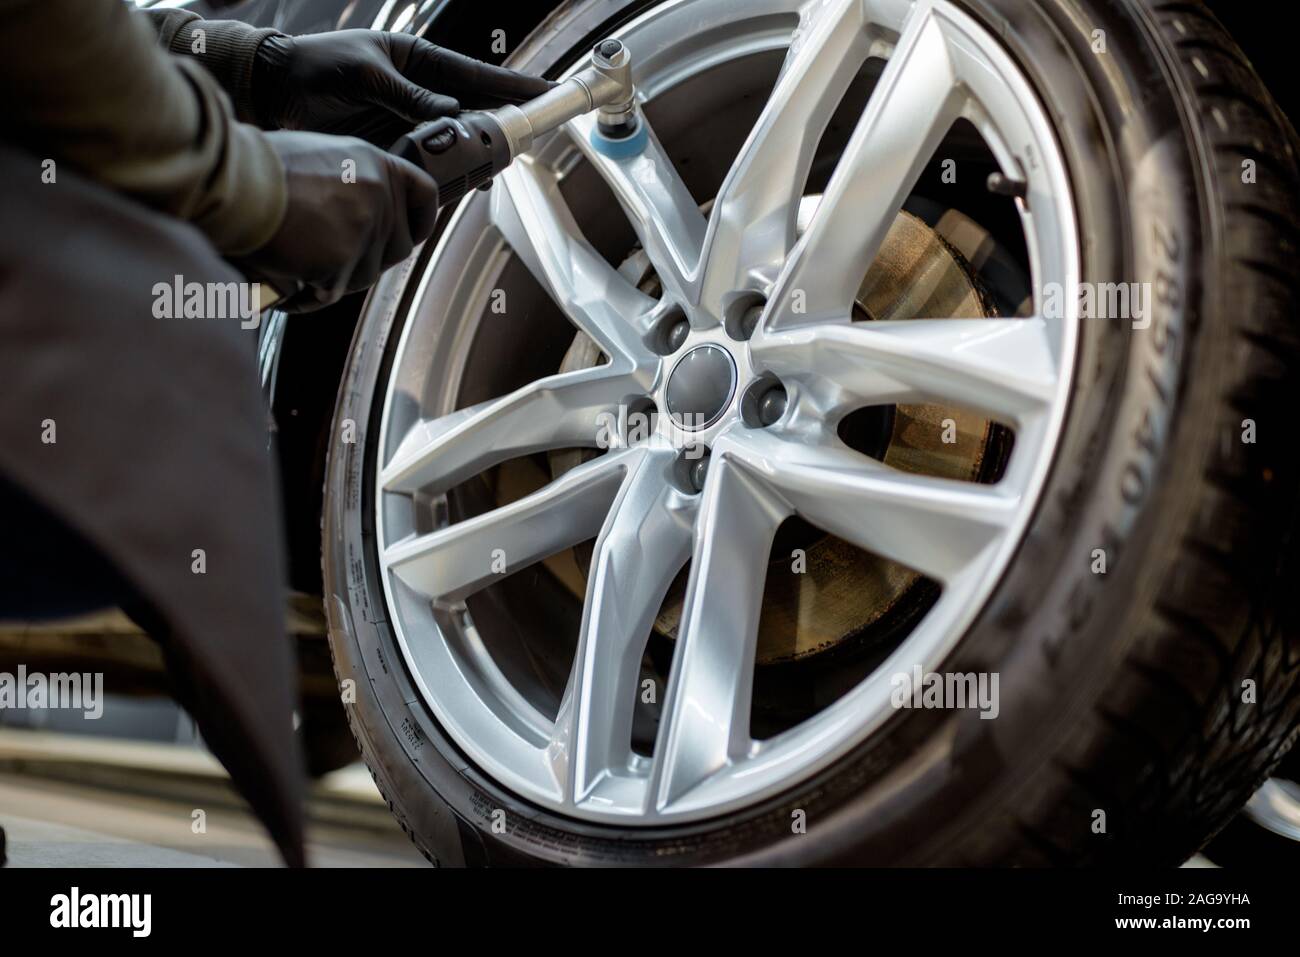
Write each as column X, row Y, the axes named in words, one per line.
column 840, row 591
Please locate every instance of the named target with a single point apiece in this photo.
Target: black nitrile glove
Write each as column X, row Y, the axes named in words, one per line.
column 359, row 82
column 354, row 210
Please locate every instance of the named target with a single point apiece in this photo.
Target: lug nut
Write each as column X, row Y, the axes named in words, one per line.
column 690, row 469
column 771, row 406
column 742, row 315
column 677, row 334
column 699, row 470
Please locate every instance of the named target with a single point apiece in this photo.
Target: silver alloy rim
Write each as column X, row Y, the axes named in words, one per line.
column 941, row 66
column 1276, row 808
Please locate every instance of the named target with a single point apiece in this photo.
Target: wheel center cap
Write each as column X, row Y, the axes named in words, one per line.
column 700, row 387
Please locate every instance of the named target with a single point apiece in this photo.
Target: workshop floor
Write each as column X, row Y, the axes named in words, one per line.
column 66, row 802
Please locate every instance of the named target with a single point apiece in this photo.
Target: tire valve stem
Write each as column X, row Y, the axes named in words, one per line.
column 1006, row 186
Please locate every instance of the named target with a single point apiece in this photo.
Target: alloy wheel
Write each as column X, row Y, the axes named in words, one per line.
column 752, row 358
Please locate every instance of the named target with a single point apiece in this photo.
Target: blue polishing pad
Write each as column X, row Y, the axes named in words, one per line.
column 624, row 148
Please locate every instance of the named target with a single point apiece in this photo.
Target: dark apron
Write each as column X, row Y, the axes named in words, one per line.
column 160, row 450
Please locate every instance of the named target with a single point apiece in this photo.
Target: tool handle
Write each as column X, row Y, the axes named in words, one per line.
column 460, row 152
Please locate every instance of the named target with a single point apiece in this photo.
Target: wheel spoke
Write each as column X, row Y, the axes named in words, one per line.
column 912, row 107
column 531, row 214
column 453, row 563
column 938, row 527
column 1003, row 367
column 752, row 225
column 706, row 712
column 560, row 411
column 664, row 214
column 645, row 541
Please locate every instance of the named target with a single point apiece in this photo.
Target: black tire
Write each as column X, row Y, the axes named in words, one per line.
column 1246, row 842
column 1121, row 692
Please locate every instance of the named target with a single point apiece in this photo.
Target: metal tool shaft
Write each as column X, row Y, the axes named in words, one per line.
column 605, row 85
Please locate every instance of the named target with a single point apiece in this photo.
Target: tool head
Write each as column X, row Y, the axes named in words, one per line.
column 604, row 85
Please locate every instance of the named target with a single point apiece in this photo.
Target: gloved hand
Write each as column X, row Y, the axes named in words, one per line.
column 358, row 82
column 354, row 210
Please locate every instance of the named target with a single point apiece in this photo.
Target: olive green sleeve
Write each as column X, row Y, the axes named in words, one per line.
column 226, row 48
column 88, row 85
